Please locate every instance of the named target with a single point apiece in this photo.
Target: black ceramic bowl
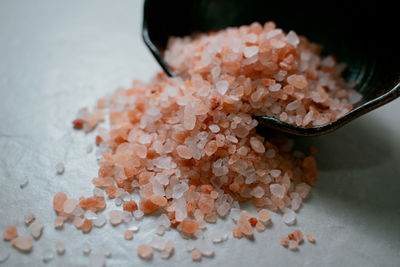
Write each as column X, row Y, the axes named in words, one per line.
column 364, row 37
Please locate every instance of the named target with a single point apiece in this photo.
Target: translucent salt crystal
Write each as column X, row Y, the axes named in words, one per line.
column 29, row 218
column 162, row 178
column 69, row 205
column 298, row 81
column 292, row 38
column 138, row 214
column 275, row 173
column 78, row 211
column 184, row 152
column 100, row 221
column 48, row 255
column 96, row 260
column 158, row 243
column 205, row 247
column 115, row 217
column 206, row 58
column 223, row 209
column 179, row 189
column 160, row 230
column 60, row 248
column 273, row 33
column 163, row 220
column 275, row 88
column 108, row 254
column 118, row 202
column 270, row 153
column 293, row 105
column 257, row 192
column 264, row 215
column 145, row 252
column 354, row 97
column 133, row 226
column 86, row 249
column 126, row 216
column 216, row 238
column 235, row 214
column 4, row 256
column 36, row 229
column 289, row 217
column 303, row 189
column 169, row 248
column 296, row 201
column 77, row 221
column 89, row 148
column 90, row 215
column 250, row 51
column 60, row 168
column 162, row 162
column 189, row 118
column 277, row 190
column 257, row 145
column 222, row 87
column 24, row 184
column 214, row 128
column 98, row 192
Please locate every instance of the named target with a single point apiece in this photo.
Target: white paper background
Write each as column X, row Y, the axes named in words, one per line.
column 58, row 56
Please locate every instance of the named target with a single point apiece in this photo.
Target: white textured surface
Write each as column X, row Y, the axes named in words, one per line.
column 58, row 56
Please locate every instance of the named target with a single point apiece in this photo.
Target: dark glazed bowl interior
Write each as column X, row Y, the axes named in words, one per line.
column 364, row 37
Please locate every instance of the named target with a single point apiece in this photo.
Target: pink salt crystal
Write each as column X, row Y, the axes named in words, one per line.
column 220, row 140
column 292, row 38
column 184, row 152
column 59, row 222
column 244, row 226
column 77, row 221
column 70, row 205
column 211, row 148
column 128, row 235
column 222, row 87
column 250, row 51
column 260, row 227
column 10, row 233
column 29, row 218
column 145, row 252
column 277, row 190
column 264, row 216
column 189, row 119
column 257, row 145
column 303, row 189
column 298, row 81
column 293, row 245
column 293, row 105
column 60, row 248
column 36, row 229
column 196, row 255
column 310, row 238
column 60, row 168
column 115, row 217
column 23, row 243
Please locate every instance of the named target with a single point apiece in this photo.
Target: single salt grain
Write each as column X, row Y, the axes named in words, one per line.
column 189, row 226
column 289, row 217
column 179, row 190
column 60, row 168
column 138, row 214
column 24, row 184
column 70, row 205
column 145, row 252
column 86, row 249
column 158, row 243
column 260, row 227
column 48, row 255
column 90, row 215
column 264, row 216
column 36, row 229
column 89, row 148
column 275, row 88
column 184, row 152
column 293, row 245
column 293, row 105
column 58, row 201
column 4, row 256
column 257, row 145
column 59, row 222
column 115, row 217
column 303, row 190
column 23, row 243
column 298, row 81
column 214, row 128
column 222, row 87
column 128, row 235
column 196, row 255
column 10, row 233
column 277, row 190
column 250, row 51
column 100, row 220
column 60, row 248
column 29, row 218
column 292, row 38
column 310, row 238
column 205, row 247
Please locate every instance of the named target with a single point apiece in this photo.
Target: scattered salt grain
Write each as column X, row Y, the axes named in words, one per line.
column 115, row 217
column 289, row 217
column 138, row 214
column 29, row 218
column 36, row 229
column 86, row 249
column 48, row 255
column 70, row 205
column 310, row 238
column 196, row 255
column 158, row 243
column 292, row 38
column 24, row 184
column 100, row 220
column 128, row 235
column 23, row 243
column 60, row 168
column 293, row 245
column 145, row 252
column 60, row 248
column 10, row 233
